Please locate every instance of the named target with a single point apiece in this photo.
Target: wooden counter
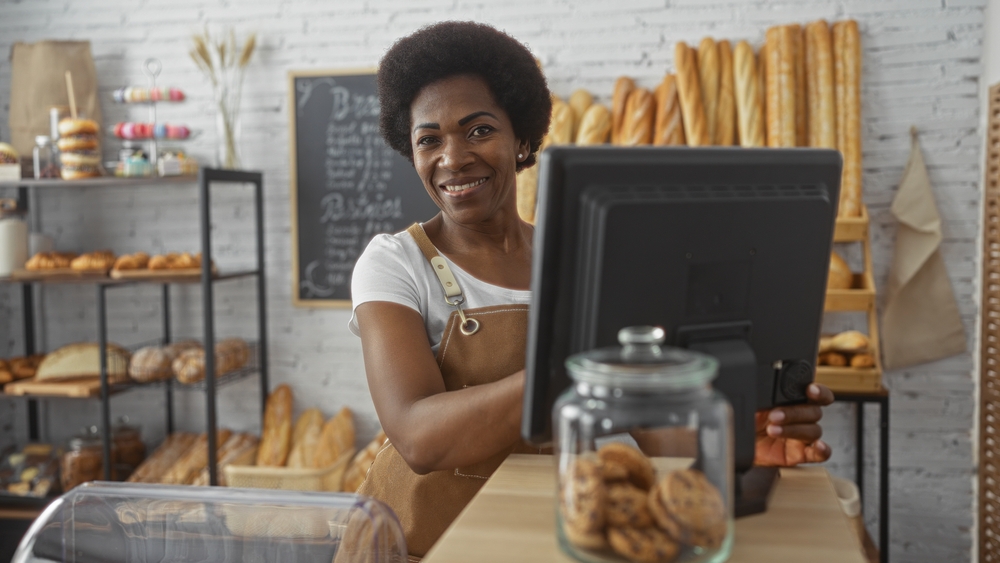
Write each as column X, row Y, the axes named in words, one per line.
column 513, row 519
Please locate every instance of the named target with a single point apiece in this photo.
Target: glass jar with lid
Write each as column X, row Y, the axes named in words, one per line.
column 129, row 448
column 45, row 159
column 84, row 459
column 644, row 454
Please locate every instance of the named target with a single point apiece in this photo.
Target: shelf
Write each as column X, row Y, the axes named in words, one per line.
column 852, row 229
column 99, row 181
column 105, row 280
column 862, row 298
column 847, row 379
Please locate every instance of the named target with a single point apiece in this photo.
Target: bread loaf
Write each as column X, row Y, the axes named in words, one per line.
column 230, row 355
column 689, row 91
column 194, row 459
column 623, row 87
column 305, row 439
column 762, row 89
column 560, row 125
column 801, row 98
column 527, row 193
column 669, row 128
column 276, row 436
column 356, row 472
column 640, row 113
column 595, row 128
column 725, row 120
column 337, row 438
column 151, row 363
column 847, row 70
column 708, row 74
column 237, row 448
column 155, row 466
column 820, row 86
column 84, row 360
column 579, row 101
column 849, row 341
column 780, row 87
column 748, row 107
column 841, row 276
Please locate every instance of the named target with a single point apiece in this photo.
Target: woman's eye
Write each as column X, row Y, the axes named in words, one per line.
column 481, row 130
column 425, row 140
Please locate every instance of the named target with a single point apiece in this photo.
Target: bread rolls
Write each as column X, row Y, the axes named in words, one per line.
column 749, row 117
column 276, row 436
column 689, row 91
column 708, row 75
column 337, row 438
column 669, row 129
column 847, row 71
column 725, row 119
column 623, row 87
column 99, row 261
column 780, row 87
column 640, row 114
column 820, row 86
column 595, row 128
column 850, row 341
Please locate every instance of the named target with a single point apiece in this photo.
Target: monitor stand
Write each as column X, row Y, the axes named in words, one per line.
column 753, row 490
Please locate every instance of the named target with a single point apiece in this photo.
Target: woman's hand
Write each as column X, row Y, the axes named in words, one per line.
column 788, row 436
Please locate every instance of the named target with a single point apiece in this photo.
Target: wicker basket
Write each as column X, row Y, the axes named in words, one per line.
column 289, row 479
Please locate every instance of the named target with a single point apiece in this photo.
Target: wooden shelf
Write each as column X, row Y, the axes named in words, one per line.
column 849, row 379
column 103, row 279
column 102, row 181
column 852, row 229
column 862, row 298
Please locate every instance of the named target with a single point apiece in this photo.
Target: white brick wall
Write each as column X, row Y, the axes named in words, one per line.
column 922, row 65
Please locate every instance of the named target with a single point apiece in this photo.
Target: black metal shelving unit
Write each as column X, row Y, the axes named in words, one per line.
column 207, row 177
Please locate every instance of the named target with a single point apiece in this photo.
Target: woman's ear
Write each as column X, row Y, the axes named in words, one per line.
column 523, row 150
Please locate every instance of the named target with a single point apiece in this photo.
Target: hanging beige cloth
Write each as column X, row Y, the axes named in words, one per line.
column 921, row 322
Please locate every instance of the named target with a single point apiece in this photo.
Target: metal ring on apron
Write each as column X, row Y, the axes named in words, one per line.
column 468, row 326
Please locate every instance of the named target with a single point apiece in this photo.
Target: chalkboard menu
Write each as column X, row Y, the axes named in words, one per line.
column 347, row 185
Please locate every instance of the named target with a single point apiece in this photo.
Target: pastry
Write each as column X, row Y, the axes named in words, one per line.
column 159, row 262
column 276, row 436
column 849, row 341
column 152, row 469
column 847, row 73
column 780, row 87
column 820, row 86
column 647, row 545
column 750, row 118
column 825, row 343
column 579, row 101
column 640, row 112
column 834, row 359
column 356, row 472
column 862, row 361
column 49, row 261
column 137, row 261
column 640, row 470
column 725, row 119
column 336, row 439
column 84, row 360
column 626, row 506
column 841, row 276
column 305, row 439
column 151, row 363
column 595, row 127
column 801, row 98
column 101, row 260
column 689, row 91
column 583, row 496
column 623, row 87
column 708, row 75
column 669, row 127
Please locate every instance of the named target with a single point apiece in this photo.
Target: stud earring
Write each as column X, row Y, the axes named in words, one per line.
column 520, row 156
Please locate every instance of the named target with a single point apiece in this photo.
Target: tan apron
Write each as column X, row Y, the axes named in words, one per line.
column 478, row 346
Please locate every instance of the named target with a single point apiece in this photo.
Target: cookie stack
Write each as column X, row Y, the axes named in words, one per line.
column 616, row 503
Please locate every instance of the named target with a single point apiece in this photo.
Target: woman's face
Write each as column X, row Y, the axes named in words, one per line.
column 464, row 149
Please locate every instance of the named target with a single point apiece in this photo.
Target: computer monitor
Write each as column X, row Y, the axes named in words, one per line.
column 727, row 249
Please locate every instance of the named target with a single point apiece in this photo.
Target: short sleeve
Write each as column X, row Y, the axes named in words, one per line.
column 383, row 273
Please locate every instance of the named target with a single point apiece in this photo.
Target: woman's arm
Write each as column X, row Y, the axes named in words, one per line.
column 431, row 428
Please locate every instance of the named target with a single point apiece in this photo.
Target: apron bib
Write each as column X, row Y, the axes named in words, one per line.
column 478, row 346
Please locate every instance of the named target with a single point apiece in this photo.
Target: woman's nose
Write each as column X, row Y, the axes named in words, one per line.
column 455, row 156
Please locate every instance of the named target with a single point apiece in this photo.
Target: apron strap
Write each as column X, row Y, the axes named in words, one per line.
column 452, row 292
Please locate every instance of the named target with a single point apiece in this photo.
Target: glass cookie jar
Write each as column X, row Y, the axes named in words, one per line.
column 644, row 455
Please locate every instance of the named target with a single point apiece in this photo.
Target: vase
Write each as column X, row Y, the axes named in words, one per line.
column 227, row 122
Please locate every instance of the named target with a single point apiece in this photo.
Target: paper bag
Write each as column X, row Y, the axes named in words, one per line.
column 921, row 321
column 38, row 82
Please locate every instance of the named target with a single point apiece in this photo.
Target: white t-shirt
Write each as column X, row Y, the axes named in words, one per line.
column 392, row 268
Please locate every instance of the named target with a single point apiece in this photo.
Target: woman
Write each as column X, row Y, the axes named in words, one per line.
column 468, row 106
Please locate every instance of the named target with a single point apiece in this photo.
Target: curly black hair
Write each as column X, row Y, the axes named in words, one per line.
column 451, row 48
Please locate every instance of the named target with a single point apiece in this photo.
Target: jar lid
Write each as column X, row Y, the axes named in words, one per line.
column 88, row 438
column 123, row 426
column 42, row 140
column 642, row 362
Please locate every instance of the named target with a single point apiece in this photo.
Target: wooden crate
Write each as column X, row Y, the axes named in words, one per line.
column 849, row 379
column 852, row 229
column 860, row 298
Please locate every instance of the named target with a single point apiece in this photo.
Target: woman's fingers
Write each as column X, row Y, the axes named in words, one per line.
column 798, row 414
column 806, row 433
column 819, row 394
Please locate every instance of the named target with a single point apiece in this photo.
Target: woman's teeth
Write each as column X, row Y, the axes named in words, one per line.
column 465, row 186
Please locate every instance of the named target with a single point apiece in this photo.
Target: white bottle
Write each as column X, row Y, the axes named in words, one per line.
column 13, row 239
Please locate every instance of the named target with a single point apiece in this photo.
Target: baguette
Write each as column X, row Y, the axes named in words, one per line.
column 780, row 87
column 595, row 127
column 801, row 99
column 640, row 113
column 623, row 87
column 276, row 436
column 762, row 89
column 336, row 440
column 725, row 120
column 847, row 64
column 187, row 467
column 689, row 92
column 669, row 128
column 236, row 447
column 820, row 86
column 748, row 107
column 527, row 193
column 579, row 101
column 560, row 125
column 708, row 74
column 155, row 466
column 305, row 439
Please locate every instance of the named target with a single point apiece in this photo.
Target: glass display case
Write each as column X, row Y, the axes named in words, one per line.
column 137, row 523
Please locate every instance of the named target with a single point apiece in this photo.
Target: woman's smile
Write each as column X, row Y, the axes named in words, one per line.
column 462, row 187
